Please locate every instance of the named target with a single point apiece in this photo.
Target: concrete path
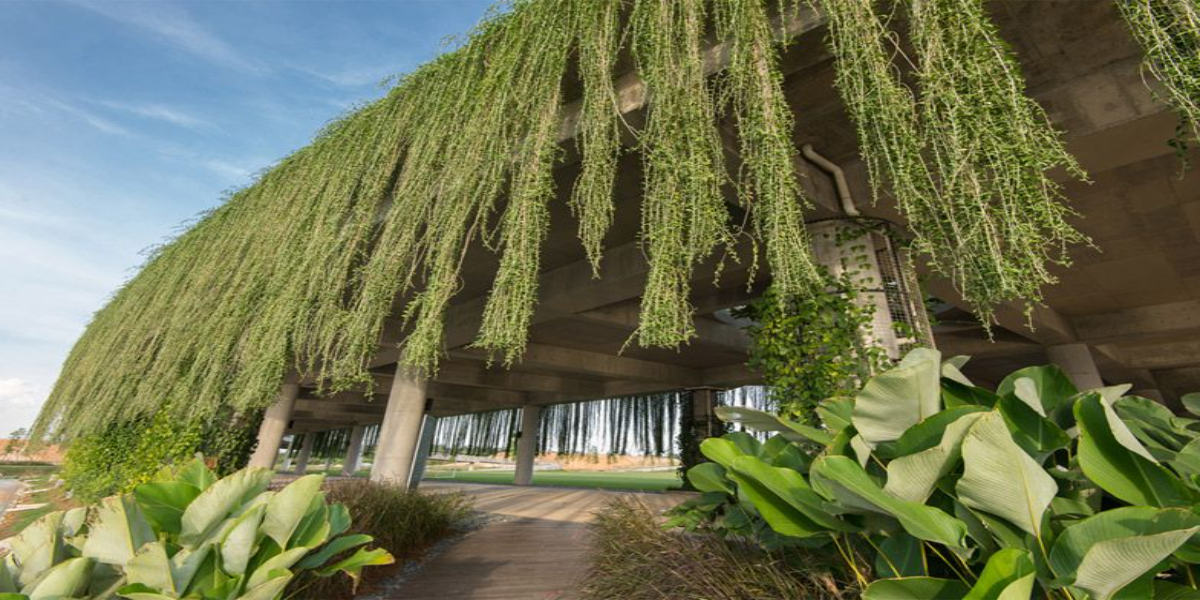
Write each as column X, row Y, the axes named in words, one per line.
column 539, row 553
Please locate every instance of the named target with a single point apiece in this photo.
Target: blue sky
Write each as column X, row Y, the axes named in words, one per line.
column 121, row 119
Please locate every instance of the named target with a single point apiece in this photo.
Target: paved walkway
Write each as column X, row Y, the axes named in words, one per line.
column 540, row 553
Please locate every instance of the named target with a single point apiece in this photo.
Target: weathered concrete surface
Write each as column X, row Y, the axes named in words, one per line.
column 540, row 554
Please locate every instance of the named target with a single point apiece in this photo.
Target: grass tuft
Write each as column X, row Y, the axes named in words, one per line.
column 634, row 558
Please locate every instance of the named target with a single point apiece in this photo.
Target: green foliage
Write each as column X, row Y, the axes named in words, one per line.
column 809, row 348
column 128, row 453
column 965, row 153
column 376, row 217
column 1169, row 30
column 186, row 533
column 1078, row 494
column 402, row 522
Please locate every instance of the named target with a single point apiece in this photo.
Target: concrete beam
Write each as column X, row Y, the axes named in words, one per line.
column 1175, row 320
column 1044, row 325
column 1167, row 355
column 596, row 364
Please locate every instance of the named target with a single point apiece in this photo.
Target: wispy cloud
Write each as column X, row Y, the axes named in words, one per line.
column 171, row 24
column 162, row 113
column 98, row 122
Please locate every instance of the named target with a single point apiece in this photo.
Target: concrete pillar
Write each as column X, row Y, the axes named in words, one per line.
column 354, row 450
column 274, row 424
column 424, row 447
column 310, row 442
column 531, row 416
column 1076, row 361
column 838, row 246
column 401, row 428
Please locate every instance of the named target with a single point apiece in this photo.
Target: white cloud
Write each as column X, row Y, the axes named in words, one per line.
column 159, row 112
column 172, row 25
column 20, row 401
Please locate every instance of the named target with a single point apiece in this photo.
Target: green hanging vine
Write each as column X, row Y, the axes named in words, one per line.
column 967, row 157
column 297, row 275
column 1169, row 30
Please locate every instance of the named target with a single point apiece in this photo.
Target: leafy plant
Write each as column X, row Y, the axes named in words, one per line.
column 187, row 534
column 964, row 492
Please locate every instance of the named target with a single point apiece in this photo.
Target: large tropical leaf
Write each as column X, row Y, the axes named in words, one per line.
column 899, row 398
column 1001, row 479
column 67, row 579
column 764, row 421
column 846, row 482
column 38, row 547
column 280, row 562
column 355, row 563
column 1032, row 431
column 1191, row 402
column 1111, row 565
column 1047, row 388
column 1117, row 470
column 269, row 589
column 927, row 433
column 776, row 492
column 206, row 513
column 196, row 474
column 1075, row 542
column 915, row 588
column 900, row 555
column 241, row 542
column 721, row 451
column 163, row 502
column 1009, row 574
column 913, row 477
column 118, row 531
column 709, row 477
column 333, row 548
column 836, row 413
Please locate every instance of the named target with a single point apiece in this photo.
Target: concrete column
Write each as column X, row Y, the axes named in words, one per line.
column 310, row 442
column 1076, row 361
column 401, row 428
column 424, row 447
column 840, row 248
column 354, row 451
column 274, row 424
column 705, row 423
column 527, row 444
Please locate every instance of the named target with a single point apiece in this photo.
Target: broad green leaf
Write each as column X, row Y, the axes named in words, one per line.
column 339, row 519
column 1191, row 402
column 952, row 369
column 836, row 413
column 1032, row 431
column 927, row 433
column 913, row 477
column 900, row 555
column 1048, row 387
column 137, row 591
column 242, row 541
column 196, row 474
column 333, row 548
column 780, row 452
column 721, row 451
column 1026, row 390
column 1115, row 468
column 1166, row 590
column 8, row 582
column 118, row 531
column 746, row 443
column 38, row 547
column 355, row 563
column 205, row 514
column 1009, row 575
column 152, row 568
column 186, row 563
column 851, row 486
column 282, row 561
column 764, row 421
column 1119, row 523
column 955, row 395
column 163, row 502
column 67, row 579
column 1111, row 565
column 270, row 588
column 915, row 588
column 709, row 477
column 770, row 488
column 313, row 529
column 1001, row 479
column 899, row 398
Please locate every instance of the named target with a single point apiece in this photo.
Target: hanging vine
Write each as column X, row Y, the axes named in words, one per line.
column 1169, row 31
column 299, row 274
column 967, row 157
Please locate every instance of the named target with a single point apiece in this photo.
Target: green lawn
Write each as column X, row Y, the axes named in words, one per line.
column 21, row 471
column 650, row 481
